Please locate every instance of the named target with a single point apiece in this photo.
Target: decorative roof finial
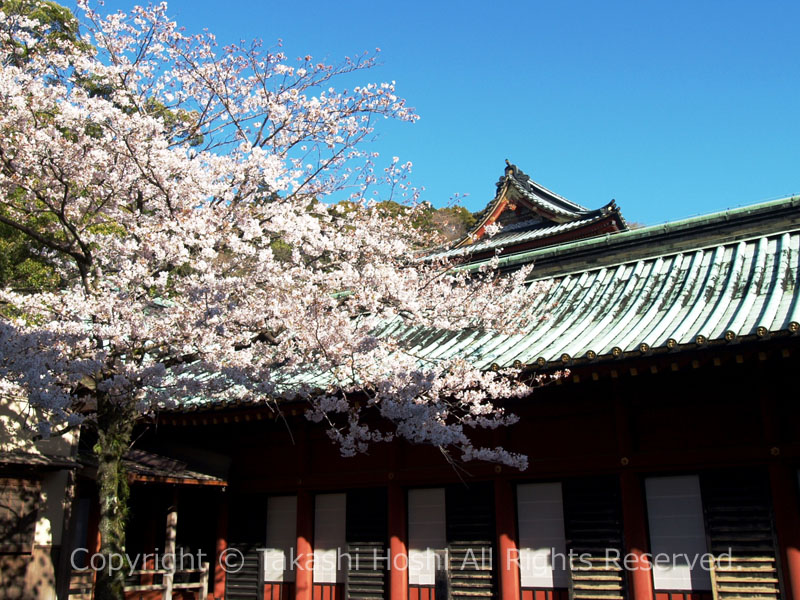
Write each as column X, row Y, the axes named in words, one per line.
column 512, row 170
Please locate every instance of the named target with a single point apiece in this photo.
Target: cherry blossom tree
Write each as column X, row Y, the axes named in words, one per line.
column 185, row 195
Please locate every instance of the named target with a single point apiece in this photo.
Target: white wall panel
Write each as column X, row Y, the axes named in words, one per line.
column 281, row 538
column 677, row 533
column 542, row 543
column 426, row 533
column 330, row 514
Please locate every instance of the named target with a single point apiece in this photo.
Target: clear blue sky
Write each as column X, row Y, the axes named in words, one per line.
column 674, row 108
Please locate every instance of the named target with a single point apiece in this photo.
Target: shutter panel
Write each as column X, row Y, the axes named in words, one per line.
column 245, row 584
column 470, row 540
column 594, row 536
column 366, row 544
column 246, row 535
column 739, row 522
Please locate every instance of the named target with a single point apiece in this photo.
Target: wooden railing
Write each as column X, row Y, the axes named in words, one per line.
column 170, row 581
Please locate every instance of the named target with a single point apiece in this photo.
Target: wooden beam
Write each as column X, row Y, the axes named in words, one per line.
column 134, row 478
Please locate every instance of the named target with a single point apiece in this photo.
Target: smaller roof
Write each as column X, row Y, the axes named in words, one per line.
column 539, row 195
column 146, row 466
column 33, row 459
column 530, row 215
column 143, row 466
column 514, row 236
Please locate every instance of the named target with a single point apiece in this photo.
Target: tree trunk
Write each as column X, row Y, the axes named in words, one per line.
column 114, row 428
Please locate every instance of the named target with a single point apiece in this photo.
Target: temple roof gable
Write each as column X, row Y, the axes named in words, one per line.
column 533, row 214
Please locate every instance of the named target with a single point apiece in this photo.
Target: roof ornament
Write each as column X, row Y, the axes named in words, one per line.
column 610, row 207
column 514, row 171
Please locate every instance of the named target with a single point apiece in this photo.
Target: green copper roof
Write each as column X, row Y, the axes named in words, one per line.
column 656, row 239
column 722, row 292
column 715, row 279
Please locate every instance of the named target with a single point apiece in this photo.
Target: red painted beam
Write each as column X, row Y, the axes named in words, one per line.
column 505, row 523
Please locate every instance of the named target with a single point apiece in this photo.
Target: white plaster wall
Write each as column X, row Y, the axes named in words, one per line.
column 16, row 433
column 50, row 521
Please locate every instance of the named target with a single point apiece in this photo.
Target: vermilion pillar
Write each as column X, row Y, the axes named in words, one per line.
column 398, row 543
column 786, row 505
column 508, row 553
column 221, row 547
column 304, row 576
column 640, row 575
column 94, row 538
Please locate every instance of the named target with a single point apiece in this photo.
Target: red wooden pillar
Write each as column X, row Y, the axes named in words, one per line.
column 398, row 543
column 304, row 576
column 221, row 547
column 634, row 521
column 786, row 506
column 508, row 553
column 94, row 539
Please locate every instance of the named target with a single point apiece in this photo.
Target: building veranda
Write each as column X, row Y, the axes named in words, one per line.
column 664, row 466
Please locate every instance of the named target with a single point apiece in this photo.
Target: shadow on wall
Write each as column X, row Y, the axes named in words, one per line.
column 32, row 504
column 27, row 569
column 28, row 576
column 17, row 435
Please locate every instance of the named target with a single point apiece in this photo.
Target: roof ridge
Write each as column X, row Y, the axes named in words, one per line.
column 669, row 254
column 652, row 232
column 526, row 182
column 515, row 187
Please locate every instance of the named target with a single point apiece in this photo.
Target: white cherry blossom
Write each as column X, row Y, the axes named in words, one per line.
column 186, row 195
